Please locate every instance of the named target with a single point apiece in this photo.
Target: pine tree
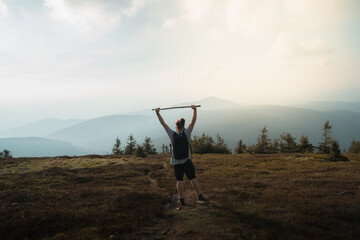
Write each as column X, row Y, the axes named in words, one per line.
column 251, row 148
column 335, row 152
column 203, row 144
column 131, row 145
column 263, row 141
column 116, row 150
column 221, row 146
column 354, row 147
column 274, row 146
column 287, row 144
column 148, row 147
column 305, row 145
column 206, row 144
column 240, row 148
column 139, row 152
column 324, row 146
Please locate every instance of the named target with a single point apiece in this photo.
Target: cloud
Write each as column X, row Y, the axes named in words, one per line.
column 197, row 10
column 312, row 14
column 284, row 48
column 259, row 18
column 254, row 18
column 4, row 11
column 262, row 17
column 169, row 22
column 136, row 5
column 289, row 53
column 216, row 34
column 83, row 16
column 315, row 47
column 92, row 15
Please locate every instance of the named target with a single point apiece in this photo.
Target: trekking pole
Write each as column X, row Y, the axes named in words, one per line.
column 175, row 107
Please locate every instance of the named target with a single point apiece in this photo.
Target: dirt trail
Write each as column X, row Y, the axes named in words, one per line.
column 193, row 221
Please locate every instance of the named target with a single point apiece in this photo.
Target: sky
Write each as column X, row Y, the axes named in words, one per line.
column 84, row 59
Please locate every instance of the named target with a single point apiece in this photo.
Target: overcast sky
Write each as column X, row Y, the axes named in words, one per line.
column 82, row 59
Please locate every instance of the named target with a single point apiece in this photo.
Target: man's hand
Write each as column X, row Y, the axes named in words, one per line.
column 157, row 110
column 193, row 107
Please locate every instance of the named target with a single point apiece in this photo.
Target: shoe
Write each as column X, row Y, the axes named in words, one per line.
column 181, row 202
column 202, row 199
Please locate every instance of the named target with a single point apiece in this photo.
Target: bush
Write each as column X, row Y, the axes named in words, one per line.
column 5, row 154
column 354, row 147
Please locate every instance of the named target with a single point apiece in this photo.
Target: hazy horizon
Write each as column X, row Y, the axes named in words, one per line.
column 84, row 59
column 148, row 111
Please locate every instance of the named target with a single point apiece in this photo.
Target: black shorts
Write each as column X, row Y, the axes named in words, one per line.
column 187, row 168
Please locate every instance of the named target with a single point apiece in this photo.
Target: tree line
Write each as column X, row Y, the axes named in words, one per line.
column 286, row 143
column 133, row 148
column 203, row 144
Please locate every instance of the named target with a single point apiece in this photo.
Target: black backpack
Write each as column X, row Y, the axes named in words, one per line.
column 180, row 146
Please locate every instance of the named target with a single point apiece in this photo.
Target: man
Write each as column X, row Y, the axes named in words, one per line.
column 180, row 154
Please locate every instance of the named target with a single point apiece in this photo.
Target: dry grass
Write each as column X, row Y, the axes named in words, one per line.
column 281, row 196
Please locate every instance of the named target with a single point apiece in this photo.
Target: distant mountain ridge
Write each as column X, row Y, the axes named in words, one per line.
column 40, row 128
column 209, row 103
column 231, row 124
column 328, row 106
column 232, row 121
column 213, row 103
column 100, row 133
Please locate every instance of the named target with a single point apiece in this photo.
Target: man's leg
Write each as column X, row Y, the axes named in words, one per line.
column 195, row 185
column 190, row 173
column 180, row 188
column 201, row 198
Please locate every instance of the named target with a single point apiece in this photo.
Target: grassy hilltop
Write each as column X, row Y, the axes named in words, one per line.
column 280, row 196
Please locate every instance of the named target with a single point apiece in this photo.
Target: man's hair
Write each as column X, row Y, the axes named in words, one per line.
column 180, row 123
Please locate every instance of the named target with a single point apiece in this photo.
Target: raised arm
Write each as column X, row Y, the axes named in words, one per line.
column 161, row 119
column 193, row 120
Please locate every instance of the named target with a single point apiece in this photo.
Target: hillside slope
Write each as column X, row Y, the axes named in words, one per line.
column 100, row 133
column 251, row 196
column 40, row 147
column 40, row 128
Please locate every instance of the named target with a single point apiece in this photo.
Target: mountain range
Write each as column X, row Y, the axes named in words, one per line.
column 231, row 120
column 329, row 106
